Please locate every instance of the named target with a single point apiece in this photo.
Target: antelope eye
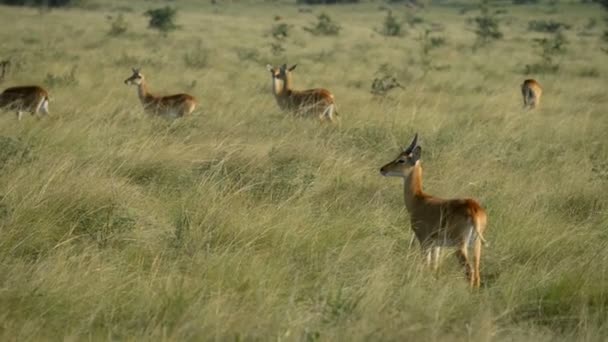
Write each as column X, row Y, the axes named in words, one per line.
column 401, row 161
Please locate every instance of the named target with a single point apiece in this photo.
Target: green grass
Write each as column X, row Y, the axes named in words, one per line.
column 244, row 223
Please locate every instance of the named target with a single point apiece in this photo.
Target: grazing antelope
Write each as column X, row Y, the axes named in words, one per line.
column 318, row 102
column 531, row 91
column 31, row 99
column 439, row 222
column 172, row 106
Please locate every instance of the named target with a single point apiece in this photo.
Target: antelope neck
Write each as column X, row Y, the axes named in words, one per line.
column 142, row 91
column 413, row 187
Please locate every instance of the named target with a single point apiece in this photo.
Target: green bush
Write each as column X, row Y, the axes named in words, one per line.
column 280, row 31
column 49, row 3
column 547, row 26
column 549, row 49
column 486, row 25
column 62, row 80
column 325, row 2
column 162, row 19
column 325, row 26
column 391, row 26
column 118, row 26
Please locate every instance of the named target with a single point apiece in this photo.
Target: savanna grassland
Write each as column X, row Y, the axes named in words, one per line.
column 245, row 223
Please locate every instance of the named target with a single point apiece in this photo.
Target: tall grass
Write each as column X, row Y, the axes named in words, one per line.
column 244, row 223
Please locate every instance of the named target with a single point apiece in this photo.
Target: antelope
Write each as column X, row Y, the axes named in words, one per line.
column 172, row 106
column 439, row 222
column 31, row 99
column 318, row 102
column 531, row 91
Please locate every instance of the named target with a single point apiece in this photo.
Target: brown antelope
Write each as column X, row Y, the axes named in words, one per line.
column 172, row 106
column 531, row 92
column 31, row 99
column 439, row 222
column 318, row 102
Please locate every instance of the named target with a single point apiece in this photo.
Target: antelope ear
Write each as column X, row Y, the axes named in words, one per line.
column 269, row 67
column 416, row 153
column 293, row 67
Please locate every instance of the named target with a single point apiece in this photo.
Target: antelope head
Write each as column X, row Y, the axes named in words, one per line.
column 137, row 78
column 280, row 75
column 405, row 162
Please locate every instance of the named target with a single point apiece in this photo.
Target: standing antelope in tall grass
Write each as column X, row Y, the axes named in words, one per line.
column 32, row 99
column 318, row 102
column 439, row 222
column 172, row 106
column 531, row 92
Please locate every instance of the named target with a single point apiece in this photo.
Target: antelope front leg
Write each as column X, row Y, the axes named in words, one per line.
column 435, row 261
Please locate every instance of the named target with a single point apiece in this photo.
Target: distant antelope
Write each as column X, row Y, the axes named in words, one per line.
column 531, row 92
column 318, row 102
column 439, row 222
column 31, row 99
column 172, row 106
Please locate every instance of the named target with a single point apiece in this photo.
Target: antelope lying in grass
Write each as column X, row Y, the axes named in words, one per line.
column 439, row 222
column 318, row 102
column 172, row 106
column 31, row 99
column 531, row 91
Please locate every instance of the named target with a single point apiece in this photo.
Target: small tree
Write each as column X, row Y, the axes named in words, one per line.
column 550, row 48
column 325, row 26
column 391, row 27
column 486, row 25
column 118, row 26
column 428, row 43
column 162, row 19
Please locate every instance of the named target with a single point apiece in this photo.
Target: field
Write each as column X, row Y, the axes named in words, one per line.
column 245, row 223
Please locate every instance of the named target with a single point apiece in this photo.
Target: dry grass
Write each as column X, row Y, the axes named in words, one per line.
column 244, row 223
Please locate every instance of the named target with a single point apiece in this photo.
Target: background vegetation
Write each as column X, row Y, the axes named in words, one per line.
column 244, row 223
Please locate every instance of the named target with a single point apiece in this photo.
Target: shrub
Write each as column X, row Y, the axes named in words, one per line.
column 325, row 26
column 428, row 43
column 391, row 26
column 276, row 48
column 62, row 80
column 49, row 3
column 325, row 2
column 550, row 48
column 280, row 31
column 385, row 80
column 549, row 26
column 13, row 150
column 197, row 58
column 589, row 72
column 118, row 26
column 486, row 25
column 162, row 19
column 245, row 54
column 412, row 19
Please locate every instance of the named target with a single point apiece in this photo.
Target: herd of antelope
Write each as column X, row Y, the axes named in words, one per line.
column 435, row 222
